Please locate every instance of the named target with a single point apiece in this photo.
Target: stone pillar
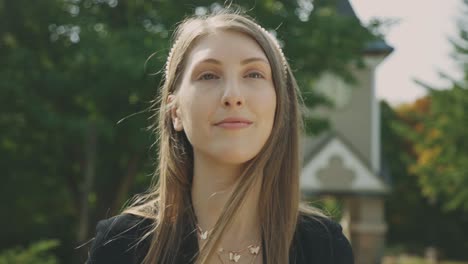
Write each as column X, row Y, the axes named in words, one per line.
column 364, row 224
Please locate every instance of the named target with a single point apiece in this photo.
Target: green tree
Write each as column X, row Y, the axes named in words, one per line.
column 440, row 144
column 415, row 221
column 426, row 148
column 37, row 253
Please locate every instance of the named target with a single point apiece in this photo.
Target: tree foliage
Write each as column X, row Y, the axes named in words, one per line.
column 441, row 148
column 437, row 125
column 426, row 150
column 413, row 217
column 37, row 253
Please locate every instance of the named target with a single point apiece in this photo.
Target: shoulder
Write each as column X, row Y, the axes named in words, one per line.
column 118, row 240
column 317, row 226
column 321, row 240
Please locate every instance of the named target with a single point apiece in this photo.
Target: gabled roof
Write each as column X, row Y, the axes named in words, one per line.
column 378, row 47
column 354, row 175
column 375, row 47
column 315, row 144
column 343, row 7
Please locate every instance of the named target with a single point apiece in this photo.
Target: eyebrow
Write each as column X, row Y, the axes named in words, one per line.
column 246, row 61
column 249, row 60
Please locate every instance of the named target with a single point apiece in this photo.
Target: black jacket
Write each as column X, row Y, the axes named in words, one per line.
column 314, row 242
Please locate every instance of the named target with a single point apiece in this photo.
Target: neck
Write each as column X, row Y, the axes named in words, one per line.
column 211, row 188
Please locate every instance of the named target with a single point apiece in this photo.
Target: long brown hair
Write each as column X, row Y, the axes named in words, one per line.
column 168, row 201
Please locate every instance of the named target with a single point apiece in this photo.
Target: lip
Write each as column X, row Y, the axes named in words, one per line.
column 234, row 123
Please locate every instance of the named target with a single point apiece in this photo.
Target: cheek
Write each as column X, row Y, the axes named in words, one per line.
column 266, row 104
column 197, row 111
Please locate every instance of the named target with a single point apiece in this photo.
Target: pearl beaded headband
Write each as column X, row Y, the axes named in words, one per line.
column 265, row 32
column 278, row 48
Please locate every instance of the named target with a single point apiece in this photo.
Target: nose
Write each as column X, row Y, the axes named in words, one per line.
column 232, row 96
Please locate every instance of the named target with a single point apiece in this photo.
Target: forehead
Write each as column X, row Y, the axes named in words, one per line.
column 225, row 45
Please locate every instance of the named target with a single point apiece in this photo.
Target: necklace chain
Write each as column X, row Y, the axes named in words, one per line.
column 232, row 255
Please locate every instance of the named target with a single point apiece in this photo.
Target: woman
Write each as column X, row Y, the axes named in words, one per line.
column 229, row 162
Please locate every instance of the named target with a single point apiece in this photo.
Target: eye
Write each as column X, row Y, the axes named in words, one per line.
column 255, row 75
column 207, row 76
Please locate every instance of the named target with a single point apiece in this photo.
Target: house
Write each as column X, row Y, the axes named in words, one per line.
column 345, row 162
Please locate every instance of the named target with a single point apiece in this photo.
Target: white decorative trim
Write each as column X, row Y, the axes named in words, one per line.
column 372, row 62
column 365, row 179
column 375, row 126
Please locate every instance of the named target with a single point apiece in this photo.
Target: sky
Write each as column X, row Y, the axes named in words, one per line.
column 420, row 41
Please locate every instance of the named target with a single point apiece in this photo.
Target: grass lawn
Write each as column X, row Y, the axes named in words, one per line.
column 404, row 259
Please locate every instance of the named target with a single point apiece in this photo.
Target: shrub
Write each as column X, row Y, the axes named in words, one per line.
column 36, row 253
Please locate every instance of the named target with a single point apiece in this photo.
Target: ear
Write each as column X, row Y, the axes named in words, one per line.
column 175, row 113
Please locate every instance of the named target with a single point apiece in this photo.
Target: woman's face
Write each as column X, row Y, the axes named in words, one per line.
column 226, row 100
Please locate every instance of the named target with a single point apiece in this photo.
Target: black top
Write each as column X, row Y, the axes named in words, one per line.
column 315, row 242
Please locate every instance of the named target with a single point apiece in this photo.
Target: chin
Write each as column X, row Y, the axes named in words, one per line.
column 234, row 157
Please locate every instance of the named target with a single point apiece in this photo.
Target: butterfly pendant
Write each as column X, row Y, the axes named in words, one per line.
column 203, row 235
column 254, row 250
column 234, row 257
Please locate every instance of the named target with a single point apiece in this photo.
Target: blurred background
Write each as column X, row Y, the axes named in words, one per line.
column 385, row 84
